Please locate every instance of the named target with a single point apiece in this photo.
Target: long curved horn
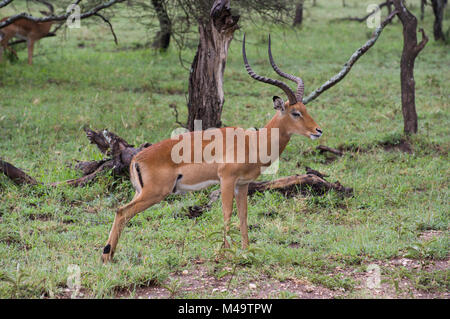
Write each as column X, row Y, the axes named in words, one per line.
column 281, row 85
column 299, row 81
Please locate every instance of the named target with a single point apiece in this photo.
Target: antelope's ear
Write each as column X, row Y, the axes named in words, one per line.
column 278, row 103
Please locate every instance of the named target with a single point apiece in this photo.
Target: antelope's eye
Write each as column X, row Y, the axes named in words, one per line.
column 296, row 114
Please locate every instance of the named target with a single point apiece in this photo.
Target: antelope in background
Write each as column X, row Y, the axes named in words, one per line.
column 25, row 29
column 154, row 173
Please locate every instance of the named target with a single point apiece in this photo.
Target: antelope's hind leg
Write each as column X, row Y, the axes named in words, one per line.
column 124, row 214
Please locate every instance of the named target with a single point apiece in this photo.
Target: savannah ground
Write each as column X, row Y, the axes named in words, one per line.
column 305, row 246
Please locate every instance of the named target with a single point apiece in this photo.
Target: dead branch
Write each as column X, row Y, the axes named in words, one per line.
column 323, row 149
column 110, row 26
column 82, row 181
column 312, row 183
column 17, row 175
column 175, row 113
column 119, row 154
column 348, row 66
column 380, row 6
column 4, row 3
column 292, row 185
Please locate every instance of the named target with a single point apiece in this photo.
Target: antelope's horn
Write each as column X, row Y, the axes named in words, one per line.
column 299, row 81
column 281, row 85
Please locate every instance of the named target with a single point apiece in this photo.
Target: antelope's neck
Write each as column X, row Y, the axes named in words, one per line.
column 276, row 130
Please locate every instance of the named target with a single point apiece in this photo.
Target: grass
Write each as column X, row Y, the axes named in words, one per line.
column 84, row 79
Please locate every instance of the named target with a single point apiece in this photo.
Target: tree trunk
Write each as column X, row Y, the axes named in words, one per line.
column 422, row 9
column 438, row 10
column 206, row 96
column 410, row 51
column 298, row 19
column 162, row 38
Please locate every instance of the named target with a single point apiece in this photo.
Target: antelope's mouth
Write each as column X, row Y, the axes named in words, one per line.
column 315, row 136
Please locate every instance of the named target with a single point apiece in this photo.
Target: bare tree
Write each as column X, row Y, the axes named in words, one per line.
column 410, row 51
column 438, row 10
column 298, row 19
column 162, row 38
column 206, row 96
column 423, row 3
column 217, row 22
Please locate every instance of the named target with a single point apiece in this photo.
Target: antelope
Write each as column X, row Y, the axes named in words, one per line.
column 27, row 30
column 155, row 173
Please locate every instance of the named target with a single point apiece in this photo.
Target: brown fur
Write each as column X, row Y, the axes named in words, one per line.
column 26, row 29
column 160, row 174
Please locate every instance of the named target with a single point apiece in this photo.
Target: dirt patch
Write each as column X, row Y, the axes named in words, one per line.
column 430, row 234
column 199, row 280
column 392, row 284
column 401, row 145
column 41, row 217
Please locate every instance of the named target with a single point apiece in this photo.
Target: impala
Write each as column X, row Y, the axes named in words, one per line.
column 27, row 30
column 155, row 173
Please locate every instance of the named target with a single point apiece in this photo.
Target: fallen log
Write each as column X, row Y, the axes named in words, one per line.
column 292, row 185
column 323, row 149
column 119, row 154
column 17, row 175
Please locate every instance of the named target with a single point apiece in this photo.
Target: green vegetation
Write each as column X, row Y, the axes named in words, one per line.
column 84, row 79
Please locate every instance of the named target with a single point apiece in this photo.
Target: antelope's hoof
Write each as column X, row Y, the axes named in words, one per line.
column 107, row 254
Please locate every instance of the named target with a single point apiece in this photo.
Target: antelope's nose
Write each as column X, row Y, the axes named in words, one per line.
column 319, row 131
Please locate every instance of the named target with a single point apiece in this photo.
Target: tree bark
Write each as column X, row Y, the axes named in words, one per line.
column 438, row 10
column 422, row 9
column 162, row 38
column 206, row 96
column 17, row 175
column 410, row 51
column 298, row 19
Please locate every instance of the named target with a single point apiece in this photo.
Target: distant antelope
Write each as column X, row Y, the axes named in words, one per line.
column 155, row 172
column 27, row 30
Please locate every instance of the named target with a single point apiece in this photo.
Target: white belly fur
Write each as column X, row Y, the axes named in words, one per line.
column 183, row 188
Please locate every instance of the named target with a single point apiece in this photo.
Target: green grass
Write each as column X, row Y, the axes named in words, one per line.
column 43, row 109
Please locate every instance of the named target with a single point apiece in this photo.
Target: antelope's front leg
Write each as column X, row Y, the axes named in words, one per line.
column 30, row 51
column 227, row 190
column 241, row 203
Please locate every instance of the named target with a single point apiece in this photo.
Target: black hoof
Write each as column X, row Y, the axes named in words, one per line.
column 107, row 249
